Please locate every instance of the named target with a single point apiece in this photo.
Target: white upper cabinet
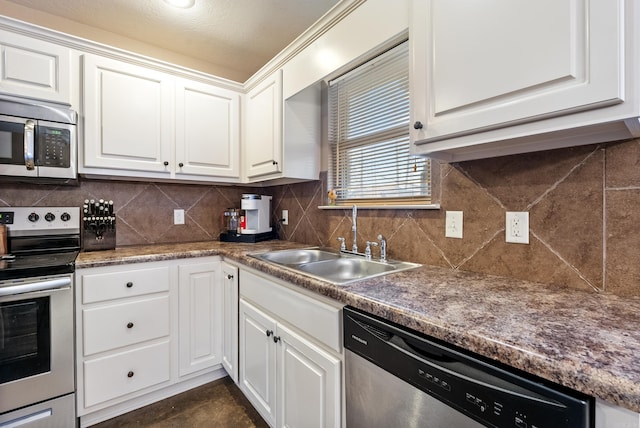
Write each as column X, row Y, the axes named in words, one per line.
column 34, row 68
column 263, row 127
column 141, row 122
column 207, row 130
column 282, row 137
column 490, row 71
column 127, row 116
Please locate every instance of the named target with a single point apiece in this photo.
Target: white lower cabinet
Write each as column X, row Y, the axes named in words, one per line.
column 147, row 331
column 230, row 320
column 200, row 316
column 258, row 360
column 292, row 376
column 308, row 386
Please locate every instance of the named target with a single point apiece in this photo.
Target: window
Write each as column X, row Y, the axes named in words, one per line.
column 369, row 135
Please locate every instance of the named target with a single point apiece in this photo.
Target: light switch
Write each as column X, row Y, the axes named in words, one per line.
column 178, row 216
column 453, row 224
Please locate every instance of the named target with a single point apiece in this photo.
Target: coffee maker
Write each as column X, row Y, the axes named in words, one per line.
column 256, row 214
column 253, row 220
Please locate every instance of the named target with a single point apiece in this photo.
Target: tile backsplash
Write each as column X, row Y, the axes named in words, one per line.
column 144, row 210
column 583, row 204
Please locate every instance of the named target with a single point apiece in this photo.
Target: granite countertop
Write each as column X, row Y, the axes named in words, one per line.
column 586, row 341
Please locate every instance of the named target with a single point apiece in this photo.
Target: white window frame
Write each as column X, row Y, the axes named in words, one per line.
column 364, row 134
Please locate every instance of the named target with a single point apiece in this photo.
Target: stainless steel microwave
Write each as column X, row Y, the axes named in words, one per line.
column 37, row 140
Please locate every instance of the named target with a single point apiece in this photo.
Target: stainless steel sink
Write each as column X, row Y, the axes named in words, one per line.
column 298, row 256
column 333, row 266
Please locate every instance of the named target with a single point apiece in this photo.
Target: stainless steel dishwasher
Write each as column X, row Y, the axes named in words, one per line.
column 399, row 378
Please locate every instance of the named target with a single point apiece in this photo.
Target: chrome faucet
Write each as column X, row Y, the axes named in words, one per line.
column 354, row 228
column 383, row 248
column 367, row 251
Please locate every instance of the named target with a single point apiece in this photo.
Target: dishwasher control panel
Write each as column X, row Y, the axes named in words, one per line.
column 484, row 392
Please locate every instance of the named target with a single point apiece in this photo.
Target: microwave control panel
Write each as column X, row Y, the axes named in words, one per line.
column 54, row 147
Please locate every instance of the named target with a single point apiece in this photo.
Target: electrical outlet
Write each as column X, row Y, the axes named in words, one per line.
column 178, row 216
column 517, row 227
column 453, row 224
column 285, row 217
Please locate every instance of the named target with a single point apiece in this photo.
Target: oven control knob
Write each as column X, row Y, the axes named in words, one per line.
column 33, row 217
column 49, row 217
column 65, row 217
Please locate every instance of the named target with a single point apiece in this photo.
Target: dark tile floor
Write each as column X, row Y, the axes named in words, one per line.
column 216, row 404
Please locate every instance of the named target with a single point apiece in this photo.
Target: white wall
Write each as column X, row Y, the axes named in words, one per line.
column 362, row 31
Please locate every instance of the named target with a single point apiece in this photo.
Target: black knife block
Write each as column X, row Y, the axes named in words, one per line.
column 94, row 240
column 98, row 226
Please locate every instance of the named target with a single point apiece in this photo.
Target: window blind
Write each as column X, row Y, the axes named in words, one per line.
column 369, row 134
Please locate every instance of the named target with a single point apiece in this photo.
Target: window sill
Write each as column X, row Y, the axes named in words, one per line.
column 381, row 207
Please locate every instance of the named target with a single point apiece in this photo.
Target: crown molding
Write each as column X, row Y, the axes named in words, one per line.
column 324, row 24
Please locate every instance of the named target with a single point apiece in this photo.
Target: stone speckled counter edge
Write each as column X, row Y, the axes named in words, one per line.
column 586, row 341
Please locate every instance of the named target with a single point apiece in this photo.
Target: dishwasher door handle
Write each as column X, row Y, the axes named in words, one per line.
column 468, row 373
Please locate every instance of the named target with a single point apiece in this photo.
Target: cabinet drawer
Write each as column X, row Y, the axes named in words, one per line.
column 113, row 326
column 116, row 285
column 313, row 317
column 120, row 374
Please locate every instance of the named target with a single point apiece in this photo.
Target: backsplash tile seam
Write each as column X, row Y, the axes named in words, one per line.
column 616, row 189
column 195, row 223
column 561, row 180
column 563, row 260
column 37, row 203
column 393, row 233
column 433, row 244
column 303, row 213
column 132, row 198
column 177, row 205
column 311, row 200
column 464, row 172
column 119, row 219
column 210, row 190
column 480, row 248
column 333, row 232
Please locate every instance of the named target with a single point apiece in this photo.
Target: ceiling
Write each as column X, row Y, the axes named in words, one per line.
column 238, row 35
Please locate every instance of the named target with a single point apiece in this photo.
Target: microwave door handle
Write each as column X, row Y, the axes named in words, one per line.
column 29, row 143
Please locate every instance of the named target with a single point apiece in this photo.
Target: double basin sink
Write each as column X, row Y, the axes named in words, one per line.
column 333, row 266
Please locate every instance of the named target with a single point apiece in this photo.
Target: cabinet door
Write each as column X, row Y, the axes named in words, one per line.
column 200, row 316
column 207, row 130
column 263, row 127
column 308, row 385
column 258, row 360
column 128, row 116
column 479, row 66
column 34, row 68
column 230, row 320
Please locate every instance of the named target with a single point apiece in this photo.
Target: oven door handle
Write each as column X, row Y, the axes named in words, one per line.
column 50, row 285
column 29, row 144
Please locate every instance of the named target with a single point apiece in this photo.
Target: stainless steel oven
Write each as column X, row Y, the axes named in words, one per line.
column 37, row 381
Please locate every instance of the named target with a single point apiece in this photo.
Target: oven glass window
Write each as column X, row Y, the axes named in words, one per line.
column 25, row 338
